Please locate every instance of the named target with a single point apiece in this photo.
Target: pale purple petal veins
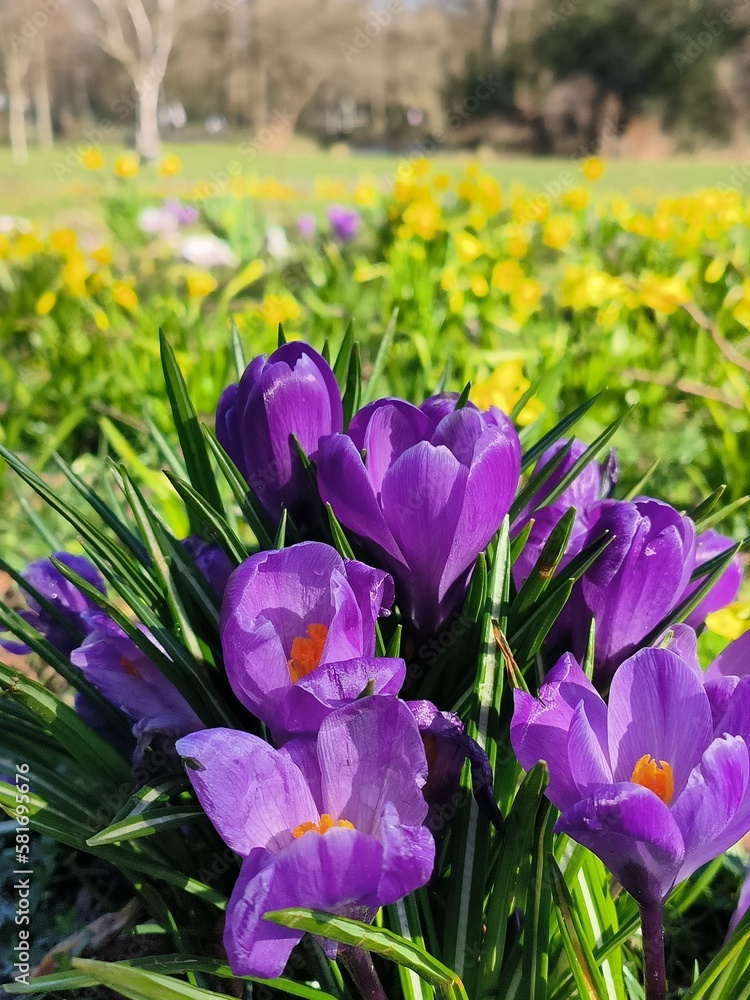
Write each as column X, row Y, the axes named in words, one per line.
column 713, row 812
column 490, row 488
column 254, row 795
column 736, row 719
column 332, row 872
column 657, row 706
column 297, row 352
column 371, row 753
column 587, row 757
column 332, row 685
column 373, row 588
column 539, row 732
column 408, row 859
column 634, row 834
column 683, row 641
column 344, row 484
column 384, row 430
column 423, row 495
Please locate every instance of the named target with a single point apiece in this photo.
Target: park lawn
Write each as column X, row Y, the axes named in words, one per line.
column 54, row 189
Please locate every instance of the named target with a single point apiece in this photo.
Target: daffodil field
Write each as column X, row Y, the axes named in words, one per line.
column 375, row 621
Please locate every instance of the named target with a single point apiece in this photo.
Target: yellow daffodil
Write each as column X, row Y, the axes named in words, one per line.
column 592, row 168
column 92, row 158
column 124, row 295
column 731, row 622
column 169, row 165
column 558, row 231
column 478, row 285
column 45, row 303
column 199, row 284
column 662, row 293
column 504, row 388
column 277, row 309
column 62, row 240
column 423, row 218
column 505, row 275
column 102, row 255
column 468, row 247
column 126, row 165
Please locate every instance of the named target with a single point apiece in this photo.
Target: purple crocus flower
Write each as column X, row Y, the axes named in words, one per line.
column 295, row 393
column 593, row 483
column 69, row 602
column 724, row 674
column 634, row 583
column 306, row 225
column 447, row 747
column 647, row 782
column 708, row 545
column 333, row 823
column 344, row 222
column 425, row 499
column 212, row 561
column 298, row 634
column 124, row 674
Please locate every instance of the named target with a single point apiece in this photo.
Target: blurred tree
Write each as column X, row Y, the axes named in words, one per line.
column 140, row 34
column 640, row 49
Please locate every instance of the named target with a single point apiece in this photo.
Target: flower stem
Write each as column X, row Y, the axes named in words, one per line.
column 654, row 969
column 359, row 966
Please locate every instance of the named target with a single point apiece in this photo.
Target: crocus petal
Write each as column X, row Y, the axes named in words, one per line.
column 125, row 675
column 331, row 686
column 587, row 757
column 228, row 427
column 490, row 487
column 709, row 544
column 657, row 706
column 254, row 795
column 684, row 642
column 540, row 726
column 649, row 578
column 447, row 746
column 384, row 430
column 634, row 834
column 373, row 589
column 344, row 484
column 733, row 660
column 371, row 753
column 736, row 719
column 713, row 811
column 408, row 859
column 326, row 872
column 422, row 499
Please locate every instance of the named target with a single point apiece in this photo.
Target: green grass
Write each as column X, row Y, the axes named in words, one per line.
column 55, row 191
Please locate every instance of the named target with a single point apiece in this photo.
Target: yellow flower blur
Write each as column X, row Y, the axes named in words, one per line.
column 126, row 165
column 169, row 165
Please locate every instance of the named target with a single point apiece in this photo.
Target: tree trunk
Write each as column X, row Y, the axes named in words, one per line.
column 16, row 105
column 147, row 121
column 44, row 132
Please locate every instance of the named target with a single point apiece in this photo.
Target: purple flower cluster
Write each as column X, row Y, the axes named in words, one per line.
column 645, row 572
column 338, row 808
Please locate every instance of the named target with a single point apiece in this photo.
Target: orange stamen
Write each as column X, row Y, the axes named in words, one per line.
column 656, row 775
column 306, row 652
column 325, row 823
column 127, row 666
